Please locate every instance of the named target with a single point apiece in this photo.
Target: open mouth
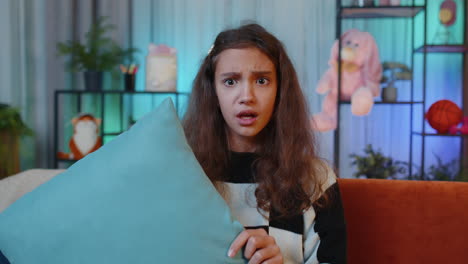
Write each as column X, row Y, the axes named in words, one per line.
column 247, row 118
column 247, row 115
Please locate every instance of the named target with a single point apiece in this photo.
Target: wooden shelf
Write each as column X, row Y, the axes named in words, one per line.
column 438, row 135
column 67, row 160
column 380, row 11
column 112, row 134
column 443, row 49
column 388, row 103
column 116, row 92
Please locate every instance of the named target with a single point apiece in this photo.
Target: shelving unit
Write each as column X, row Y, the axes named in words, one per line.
column 405, row 12
column 426, row 49
column 78, row 96
column 373, row 12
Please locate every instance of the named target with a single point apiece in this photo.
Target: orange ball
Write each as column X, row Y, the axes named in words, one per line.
column 443, row 114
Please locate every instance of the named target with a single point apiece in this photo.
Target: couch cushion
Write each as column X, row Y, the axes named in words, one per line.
column 141, row 198
column 393, row 221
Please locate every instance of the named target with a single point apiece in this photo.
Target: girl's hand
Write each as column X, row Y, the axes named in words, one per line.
column 260, row 247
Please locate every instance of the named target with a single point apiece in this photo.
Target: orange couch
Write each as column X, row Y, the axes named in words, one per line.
column 390, row 221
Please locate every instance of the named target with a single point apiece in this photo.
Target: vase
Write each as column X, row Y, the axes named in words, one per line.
column 9, row 154
column 389, row 94
column 93, row 80
column 129, row 82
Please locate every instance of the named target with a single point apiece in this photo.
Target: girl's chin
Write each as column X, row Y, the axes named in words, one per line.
column 248, row 132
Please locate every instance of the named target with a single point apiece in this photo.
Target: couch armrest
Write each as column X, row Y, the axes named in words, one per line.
column 15, row 186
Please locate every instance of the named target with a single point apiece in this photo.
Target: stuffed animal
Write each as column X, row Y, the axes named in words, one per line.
column 85, row 137
column 360, row 79
column 454, row 130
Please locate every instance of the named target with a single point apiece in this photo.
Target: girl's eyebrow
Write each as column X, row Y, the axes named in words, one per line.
column 226, row 74
column 262, row 72
column 238, row 73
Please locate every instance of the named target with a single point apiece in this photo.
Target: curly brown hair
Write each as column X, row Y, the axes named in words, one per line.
column 288, row 172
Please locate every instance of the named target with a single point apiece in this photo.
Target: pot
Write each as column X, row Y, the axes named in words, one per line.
column 389, row 94
column 93, row 80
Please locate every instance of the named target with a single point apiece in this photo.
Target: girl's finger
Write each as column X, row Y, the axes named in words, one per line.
column 257, row 242
column 278, row 259
column 242, row 238
column 265, row 254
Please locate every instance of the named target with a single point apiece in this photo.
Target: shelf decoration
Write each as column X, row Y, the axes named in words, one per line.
column 361, row 72
column 362, row 3
column 129, row 73
column 161, row 68
column 12, row 128
column 446, row 171
column 389, row 2
column 392, row 72
column 444, row 114
column 97, row 54
column 85, row 137
column 457, row 129
column 375, row 165
column 447, row 17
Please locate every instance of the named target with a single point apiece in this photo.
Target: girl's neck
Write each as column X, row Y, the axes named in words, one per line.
column 241, row 144
column 241, row 147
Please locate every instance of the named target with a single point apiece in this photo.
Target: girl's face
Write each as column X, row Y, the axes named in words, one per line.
column 246, row 86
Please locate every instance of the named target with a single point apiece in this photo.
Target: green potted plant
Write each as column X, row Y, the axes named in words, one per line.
column 12, row 128
column 392, row 72
column 449, row 171
column 98, row 54
column 374, row 165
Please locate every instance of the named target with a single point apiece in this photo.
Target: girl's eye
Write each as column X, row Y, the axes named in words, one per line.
column 263, row 81
column 229, row 82
column 348, row 42
column 356, row 45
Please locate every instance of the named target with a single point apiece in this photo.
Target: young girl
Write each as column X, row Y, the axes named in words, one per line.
column 248, row 125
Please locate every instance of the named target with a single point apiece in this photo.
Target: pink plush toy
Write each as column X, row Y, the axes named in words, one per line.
column 463, row 129
column 360, row 78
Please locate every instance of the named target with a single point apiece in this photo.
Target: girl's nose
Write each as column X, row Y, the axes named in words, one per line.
column 247, row 94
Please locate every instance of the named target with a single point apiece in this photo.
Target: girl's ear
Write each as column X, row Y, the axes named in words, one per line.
column 98, row 121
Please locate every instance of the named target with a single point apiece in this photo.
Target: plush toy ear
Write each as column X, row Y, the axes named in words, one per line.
column 349, row 32
column 74, row 120
column 372, row 68
column 98, row 121
column 333, row 54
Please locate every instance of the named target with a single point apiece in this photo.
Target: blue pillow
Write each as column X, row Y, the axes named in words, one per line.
column 141, row 198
